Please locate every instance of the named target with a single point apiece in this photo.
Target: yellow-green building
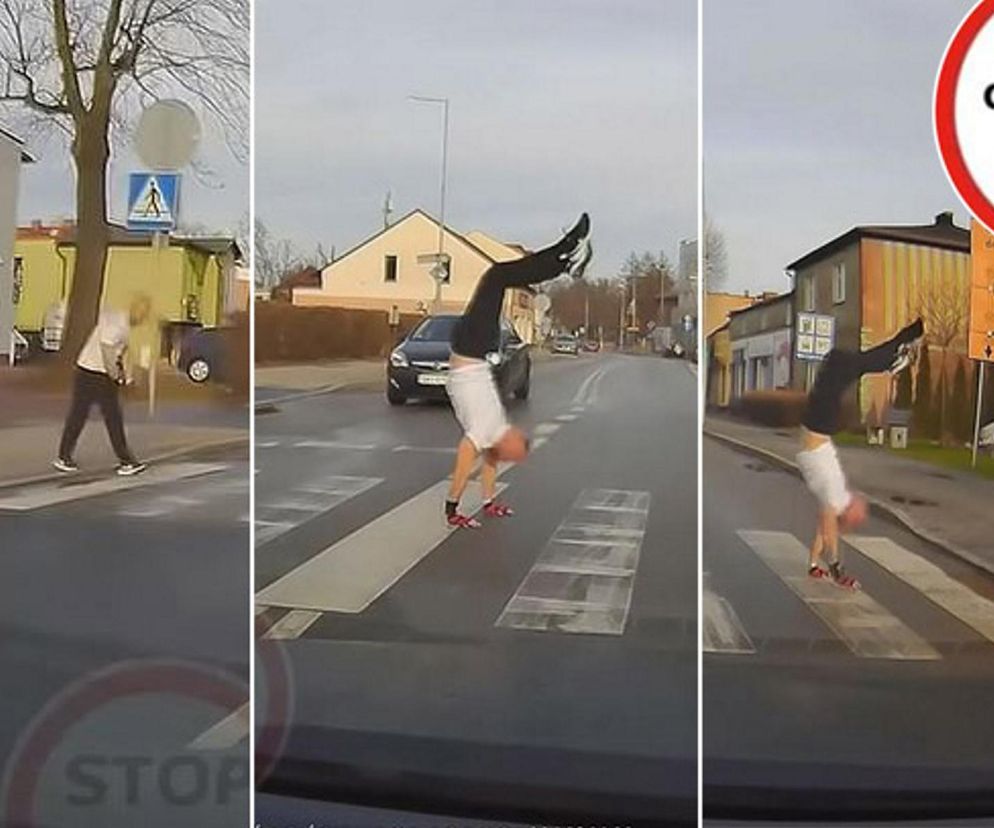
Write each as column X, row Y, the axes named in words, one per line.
column 190, row 281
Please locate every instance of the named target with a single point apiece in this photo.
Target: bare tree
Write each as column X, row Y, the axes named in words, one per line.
column 85, row 68
column 715, row 255
column 944, row 307
column 274, row 258
column 649, row 277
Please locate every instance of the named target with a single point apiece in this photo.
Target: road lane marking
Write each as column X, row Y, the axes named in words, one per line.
column 427, row 449
column 959, row 601
column 578, row 409
column 351, row 574
column 867, row 628
column 227, row 733
column 566, row 418
column 334, row 444
column 722, row 631
column 288, row 510
column 70, row 489
column 582, row 581
column 292, row 625
column 546, row 429
column 581, row 396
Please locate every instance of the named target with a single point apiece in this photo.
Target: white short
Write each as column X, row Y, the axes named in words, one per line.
column 823, row 475
column 477, row 403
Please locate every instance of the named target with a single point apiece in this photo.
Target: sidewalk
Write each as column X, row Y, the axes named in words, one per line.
column 948, row 508
column 31, row 419
column 321, row 376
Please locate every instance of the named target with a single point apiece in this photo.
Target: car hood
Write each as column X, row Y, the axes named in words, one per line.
column 430, row 351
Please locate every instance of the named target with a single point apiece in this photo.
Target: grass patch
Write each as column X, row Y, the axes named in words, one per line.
column 957, row 459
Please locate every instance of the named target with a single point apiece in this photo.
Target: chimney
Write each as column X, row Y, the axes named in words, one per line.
column 944, row 219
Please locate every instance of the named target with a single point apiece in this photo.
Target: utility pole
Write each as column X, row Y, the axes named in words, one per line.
column 387, row 209
column 438, row 271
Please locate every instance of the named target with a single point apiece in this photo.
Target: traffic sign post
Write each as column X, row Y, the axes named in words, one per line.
column 153, row 201
column 166, row 140
column 981, row 324
column 963, row 111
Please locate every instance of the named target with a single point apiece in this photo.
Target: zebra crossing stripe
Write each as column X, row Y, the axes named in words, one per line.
column 352, row 573
column 71, row 489
column 958, row 600
column 722, row 631
column 292, row 625
column 868, row 629
column 289, row 510
column 227, row 733
column 583, row 579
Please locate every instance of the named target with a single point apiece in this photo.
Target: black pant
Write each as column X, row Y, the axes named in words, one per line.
column 91, row 387
column 478, row 331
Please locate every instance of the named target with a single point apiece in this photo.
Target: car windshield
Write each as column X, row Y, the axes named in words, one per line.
column 435, row 329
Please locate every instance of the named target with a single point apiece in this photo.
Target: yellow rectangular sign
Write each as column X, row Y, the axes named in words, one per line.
column 981, row 344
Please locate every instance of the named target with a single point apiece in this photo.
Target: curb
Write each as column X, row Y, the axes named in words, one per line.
column 172, row 454
column 358, row 384
column 300, row 395
column 880, row 507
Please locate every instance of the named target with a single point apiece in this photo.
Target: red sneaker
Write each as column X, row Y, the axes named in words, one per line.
column 841, row 578
column 499, row 510
column 458, row 521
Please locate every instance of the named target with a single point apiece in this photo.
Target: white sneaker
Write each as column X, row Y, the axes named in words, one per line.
column 64, row 465
column 131, row 469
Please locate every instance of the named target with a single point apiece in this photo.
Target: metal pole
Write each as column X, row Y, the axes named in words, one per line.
column 441, row 228
column 980, row 409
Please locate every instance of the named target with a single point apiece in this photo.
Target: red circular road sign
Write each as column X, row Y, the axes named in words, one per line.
column 963, row 111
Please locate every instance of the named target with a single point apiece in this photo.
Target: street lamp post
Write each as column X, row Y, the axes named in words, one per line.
column 437, row 302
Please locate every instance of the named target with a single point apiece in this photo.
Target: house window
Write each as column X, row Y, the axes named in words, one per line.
column 389, row 268
column 839, row 283
column 18, row 290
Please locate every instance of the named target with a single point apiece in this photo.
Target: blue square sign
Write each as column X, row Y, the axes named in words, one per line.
column 153, row 201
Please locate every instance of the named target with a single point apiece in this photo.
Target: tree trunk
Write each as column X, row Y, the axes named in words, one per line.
column 91, row 154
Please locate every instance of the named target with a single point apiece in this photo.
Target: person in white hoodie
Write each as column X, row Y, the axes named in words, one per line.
column 100, row 372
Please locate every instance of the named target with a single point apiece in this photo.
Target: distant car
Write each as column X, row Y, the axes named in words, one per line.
column 418, row 367
column 592, row 346
column 566, row 344
column 202, row 355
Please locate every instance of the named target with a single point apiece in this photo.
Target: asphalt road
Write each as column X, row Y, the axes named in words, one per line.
column 810, row 688
column 125, row 621
column 547, row 660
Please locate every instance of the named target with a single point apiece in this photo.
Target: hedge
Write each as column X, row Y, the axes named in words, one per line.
column 288, row 333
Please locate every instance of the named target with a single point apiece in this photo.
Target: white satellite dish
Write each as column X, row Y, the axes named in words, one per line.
column 168, row 135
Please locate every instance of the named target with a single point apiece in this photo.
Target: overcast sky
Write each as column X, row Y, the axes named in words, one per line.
column 217, row 200
column 817, row 117
column 556, row 107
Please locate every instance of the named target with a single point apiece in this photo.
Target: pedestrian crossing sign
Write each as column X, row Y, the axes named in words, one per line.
column 153, row 199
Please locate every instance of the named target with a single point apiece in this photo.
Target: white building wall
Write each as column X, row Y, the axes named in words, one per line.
column 10, row 169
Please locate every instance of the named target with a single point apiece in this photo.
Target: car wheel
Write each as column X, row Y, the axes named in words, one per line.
column 394, row 397
column 199, row 370
column 525, row 388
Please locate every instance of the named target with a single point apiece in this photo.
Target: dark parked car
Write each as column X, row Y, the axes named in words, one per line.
column 418, row 366
column 202, row 355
